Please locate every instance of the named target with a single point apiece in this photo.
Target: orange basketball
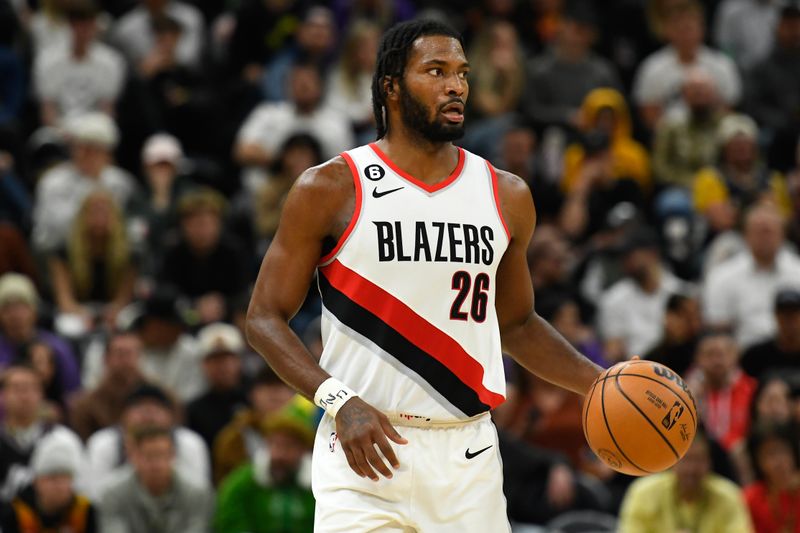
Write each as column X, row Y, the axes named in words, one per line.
column 639, row 417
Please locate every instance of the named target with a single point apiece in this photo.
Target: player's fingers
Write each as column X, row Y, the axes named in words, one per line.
column 363, row 463
column 351, row 460
column 387, row 451
column 375, row 460
column 391, row 432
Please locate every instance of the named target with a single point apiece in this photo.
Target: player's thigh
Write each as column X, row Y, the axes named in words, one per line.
column 348, row 503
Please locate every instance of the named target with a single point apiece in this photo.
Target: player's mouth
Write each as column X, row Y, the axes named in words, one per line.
column 454, row 112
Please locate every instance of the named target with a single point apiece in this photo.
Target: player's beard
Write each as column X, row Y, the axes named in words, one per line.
column 415, row 117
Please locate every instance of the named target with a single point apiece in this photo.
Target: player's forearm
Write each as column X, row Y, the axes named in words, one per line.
column 538, row 347
column 271, row 337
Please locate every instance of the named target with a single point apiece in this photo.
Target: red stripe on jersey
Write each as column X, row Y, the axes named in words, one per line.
column 413, row 327
column 497, row 199
column 419, row 183
column 356, row 212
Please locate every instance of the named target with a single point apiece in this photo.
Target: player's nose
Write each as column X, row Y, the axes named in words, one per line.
column 455, row 85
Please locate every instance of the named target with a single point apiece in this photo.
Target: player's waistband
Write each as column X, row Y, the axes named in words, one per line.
column 418, row 421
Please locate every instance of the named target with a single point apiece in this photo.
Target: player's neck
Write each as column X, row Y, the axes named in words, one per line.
column 426, row 161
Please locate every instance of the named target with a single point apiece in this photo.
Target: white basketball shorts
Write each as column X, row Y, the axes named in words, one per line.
column 450, row 480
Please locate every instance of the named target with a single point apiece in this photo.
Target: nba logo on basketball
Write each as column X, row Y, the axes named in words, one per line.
column 673, row 415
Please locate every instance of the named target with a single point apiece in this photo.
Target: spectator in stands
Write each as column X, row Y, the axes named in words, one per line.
column 632, row 310
column 206, row 266
column 687, row 497
column 244, row 503
column 774, row 499
column 549, row 262
column 780, row 353
column 658, row 83
column 62, row 189
column 162, row 166
column 496, row 79
column 221, row 346
column 300, row 152
column 154, row 495
column 723, row 392
column 563, row 313
column 134, row 34
column 772, row 401
column 83, row 77
column 238, row 442
column 93, row 275
column 349, row 87
column 540, row 484
column 103, row 405
column 686, row 142
column 314, row 43
column 180, row 95
column 549, row 417
column 681, row 331
column 169, row 351
column 739, row 180
column 262, row 28
column 19, row 303
column 109, row 449
column 605, row 110
column 518, row 154
column 270, row 124
column 596, row 189
column 739, row 293
column 773, row 89
column 51, row 502
column 24, row 424
column 559, row 80
column 744, row 30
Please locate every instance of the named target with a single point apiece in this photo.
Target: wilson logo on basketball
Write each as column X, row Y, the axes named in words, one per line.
column 668, row 374
column 672, row 416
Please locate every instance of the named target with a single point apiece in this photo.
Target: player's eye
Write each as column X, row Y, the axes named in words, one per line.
column 436, row 71
column 464, row 75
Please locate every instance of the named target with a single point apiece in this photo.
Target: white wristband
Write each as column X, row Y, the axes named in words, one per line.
column 332, row 395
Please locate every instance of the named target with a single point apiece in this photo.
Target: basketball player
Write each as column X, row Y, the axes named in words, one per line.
column 419, row 249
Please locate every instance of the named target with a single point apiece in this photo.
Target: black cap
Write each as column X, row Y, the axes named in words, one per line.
column 582, row 12
column 790, row 8
column 638, row 238
column 787, row 298
column 147, row 392
column 162, row 304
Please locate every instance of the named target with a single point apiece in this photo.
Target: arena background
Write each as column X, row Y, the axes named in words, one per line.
column 145, row 152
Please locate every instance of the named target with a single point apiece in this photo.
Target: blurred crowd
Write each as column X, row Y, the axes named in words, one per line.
column 147, row 146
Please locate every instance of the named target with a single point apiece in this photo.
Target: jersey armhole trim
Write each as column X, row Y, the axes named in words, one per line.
column 330, row 256
column 496, row 194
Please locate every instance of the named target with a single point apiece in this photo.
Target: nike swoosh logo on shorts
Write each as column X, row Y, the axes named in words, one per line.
column 376, row 194
column 469, row 455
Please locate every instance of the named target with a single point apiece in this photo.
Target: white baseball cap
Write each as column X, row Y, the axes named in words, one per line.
column 220, row 338
column 162, row 148
column 92, row 128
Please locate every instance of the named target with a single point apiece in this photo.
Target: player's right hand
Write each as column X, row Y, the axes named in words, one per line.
column 359, row 427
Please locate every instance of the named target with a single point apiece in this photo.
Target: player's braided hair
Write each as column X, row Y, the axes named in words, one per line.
column 393, row 57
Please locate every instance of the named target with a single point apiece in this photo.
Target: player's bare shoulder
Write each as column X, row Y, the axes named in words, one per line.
column 323, row 198
column 516, row 203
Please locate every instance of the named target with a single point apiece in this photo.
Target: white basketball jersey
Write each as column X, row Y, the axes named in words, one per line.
column 408, row 293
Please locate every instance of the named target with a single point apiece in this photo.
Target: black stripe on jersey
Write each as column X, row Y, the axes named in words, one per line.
column 436, row 374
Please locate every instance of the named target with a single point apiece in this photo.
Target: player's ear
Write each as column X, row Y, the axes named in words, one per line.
column 389, row 87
